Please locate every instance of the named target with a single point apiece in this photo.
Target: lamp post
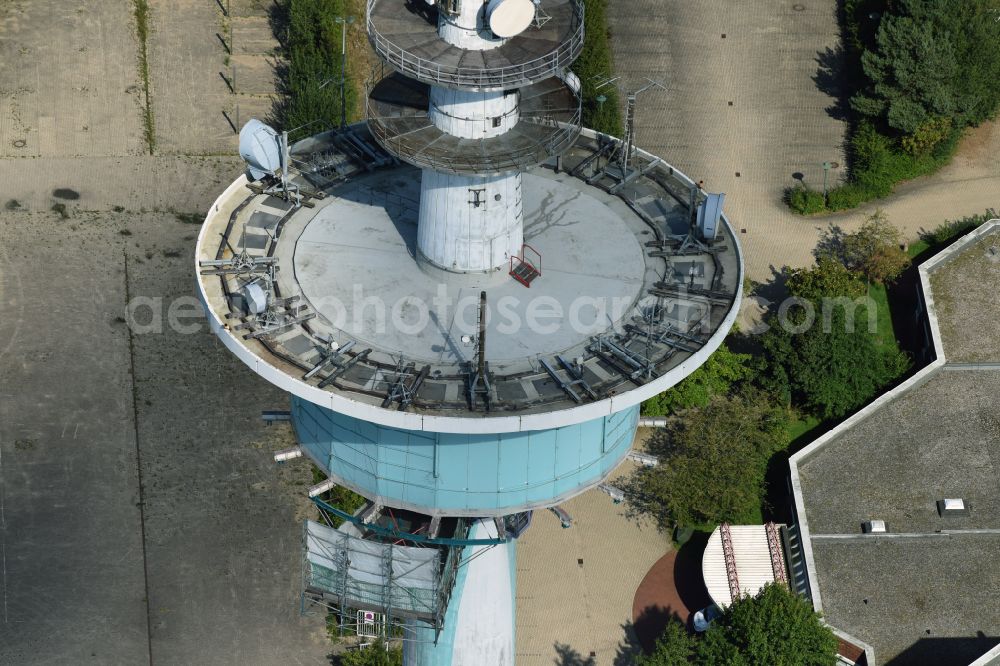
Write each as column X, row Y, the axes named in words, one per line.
column 826, row 172
column 344, row 22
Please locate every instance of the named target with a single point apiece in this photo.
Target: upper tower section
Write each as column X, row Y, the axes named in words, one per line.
column 438, row 44
column 481, row 88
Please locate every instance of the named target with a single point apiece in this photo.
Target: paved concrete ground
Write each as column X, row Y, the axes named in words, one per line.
column 221, row 553
column 141, row 517
column 566, row 610
column 69, row 84
column 192, row 73
column 773, row 65
column 71, row 544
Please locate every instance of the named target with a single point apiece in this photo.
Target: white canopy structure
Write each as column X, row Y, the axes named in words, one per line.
column 741, row 559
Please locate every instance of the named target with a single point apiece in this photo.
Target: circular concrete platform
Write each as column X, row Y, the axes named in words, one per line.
column 356, row 266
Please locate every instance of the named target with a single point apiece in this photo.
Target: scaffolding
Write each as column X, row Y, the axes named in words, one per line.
column 346, row 574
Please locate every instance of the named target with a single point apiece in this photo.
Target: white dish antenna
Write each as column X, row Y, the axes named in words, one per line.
column 573, row 81
column 508, row 18
column 260, row 147
column 708, row 216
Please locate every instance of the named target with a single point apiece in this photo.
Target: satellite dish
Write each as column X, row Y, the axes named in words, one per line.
column 260, row 147
column 708, row 216
column 573, row 81
column 508, row 18
column 255, row 297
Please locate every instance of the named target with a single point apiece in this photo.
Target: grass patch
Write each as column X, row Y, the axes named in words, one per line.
column 801, row 426
column 885, row 333
column 142, row 32
column 918, row 248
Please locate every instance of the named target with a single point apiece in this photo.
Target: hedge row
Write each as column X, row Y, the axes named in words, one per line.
column 595, row 61
column 878, row 163
column 311, row 78
column 951, row 230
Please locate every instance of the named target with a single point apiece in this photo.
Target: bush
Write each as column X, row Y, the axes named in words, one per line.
column 719, row 375
column 804, row 201
column 878, row 164
column 848, row 195
column 313, row 59
column 949, row 230
column 595, row 61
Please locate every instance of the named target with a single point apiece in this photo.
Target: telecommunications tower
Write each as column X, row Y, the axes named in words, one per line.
column 466, row 298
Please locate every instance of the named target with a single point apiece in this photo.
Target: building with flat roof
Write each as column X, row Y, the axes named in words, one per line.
column 921, row 586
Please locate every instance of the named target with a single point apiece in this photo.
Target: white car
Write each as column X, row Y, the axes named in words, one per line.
column 702, row 619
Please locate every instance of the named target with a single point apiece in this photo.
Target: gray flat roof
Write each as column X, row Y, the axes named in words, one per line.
column 965, row 295
column 939, row 440
column 925, row 592
column 890, row 592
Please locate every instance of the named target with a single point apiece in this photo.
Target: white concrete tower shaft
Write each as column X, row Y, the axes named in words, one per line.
column 470, row 223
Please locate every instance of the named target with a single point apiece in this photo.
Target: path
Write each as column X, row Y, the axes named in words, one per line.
column 780, row 122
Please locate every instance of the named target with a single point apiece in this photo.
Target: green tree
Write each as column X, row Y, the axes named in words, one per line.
column 674, row 647
column 829, row 278
column 874, row 250
column 911, row 73
column 717, row 376
column 968, row 25
column 373, row 655
column 712, row 463
column 594, row 62
column 831, row 362
column 775, row 627
column 928, row 63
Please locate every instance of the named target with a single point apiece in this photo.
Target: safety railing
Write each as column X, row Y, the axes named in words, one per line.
column 481, row 78
column 419, row 152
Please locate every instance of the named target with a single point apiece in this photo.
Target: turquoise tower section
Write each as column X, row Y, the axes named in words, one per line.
column 450, row 474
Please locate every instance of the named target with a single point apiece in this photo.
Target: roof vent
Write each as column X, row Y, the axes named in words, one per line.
column 873, row 527
column 952, row 507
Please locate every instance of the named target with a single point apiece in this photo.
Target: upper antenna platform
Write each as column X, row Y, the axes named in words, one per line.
column 508, row 18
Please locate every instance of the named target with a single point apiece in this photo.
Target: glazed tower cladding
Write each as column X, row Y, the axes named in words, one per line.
column 491, row 112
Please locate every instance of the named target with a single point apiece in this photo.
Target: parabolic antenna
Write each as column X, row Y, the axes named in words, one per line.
column 260, row 147
column 708, row 216
column 509, row 17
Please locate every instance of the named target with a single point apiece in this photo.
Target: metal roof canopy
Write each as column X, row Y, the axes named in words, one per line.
column 742, row 559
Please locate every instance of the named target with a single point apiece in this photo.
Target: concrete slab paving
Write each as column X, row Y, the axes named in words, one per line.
column 222, row 522
column 568, row 608
column 69, row 79
column 187, row 65
column 73, row 580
